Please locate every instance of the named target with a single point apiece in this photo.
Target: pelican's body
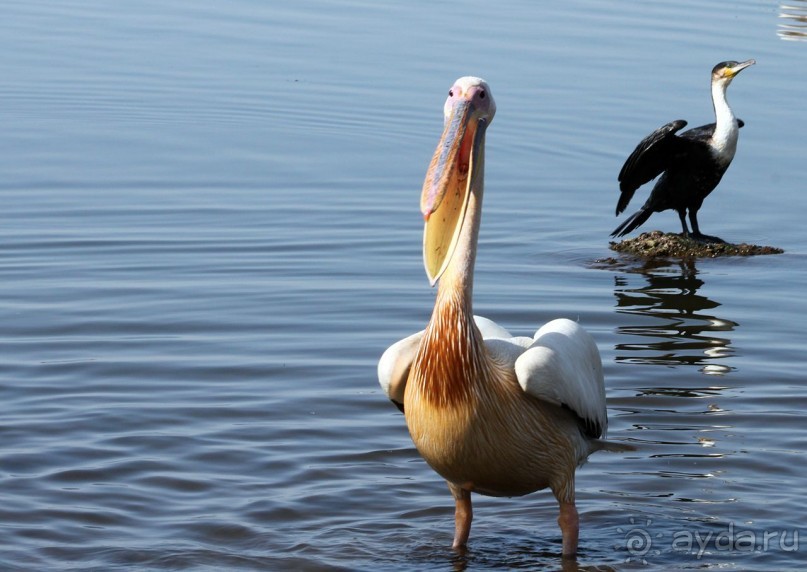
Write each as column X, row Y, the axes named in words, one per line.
column 491, row 413
column 493, row 437
column 692, row 163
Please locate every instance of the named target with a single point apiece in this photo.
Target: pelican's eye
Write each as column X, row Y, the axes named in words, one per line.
column 450, row 93
column 482, row 94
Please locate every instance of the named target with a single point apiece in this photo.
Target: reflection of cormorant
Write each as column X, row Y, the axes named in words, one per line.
column 692, row 163
column 681, row 330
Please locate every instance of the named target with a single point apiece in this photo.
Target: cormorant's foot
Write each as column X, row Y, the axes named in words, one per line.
column 706, row 238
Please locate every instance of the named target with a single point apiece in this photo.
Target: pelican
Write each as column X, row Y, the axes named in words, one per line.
column 491, row 413
column 693, row 163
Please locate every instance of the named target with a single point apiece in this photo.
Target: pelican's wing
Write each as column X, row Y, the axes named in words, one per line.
column 650, row 158
column 506, row 351
column 491, row 329
column 563, row 366
column 394, row 366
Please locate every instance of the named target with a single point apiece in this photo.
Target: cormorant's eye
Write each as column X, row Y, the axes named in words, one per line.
column 482, row 94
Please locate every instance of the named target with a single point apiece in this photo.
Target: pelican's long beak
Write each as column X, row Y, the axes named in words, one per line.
column 449, row 180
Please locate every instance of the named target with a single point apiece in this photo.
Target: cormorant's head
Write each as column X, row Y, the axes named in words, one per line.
column 724, row 72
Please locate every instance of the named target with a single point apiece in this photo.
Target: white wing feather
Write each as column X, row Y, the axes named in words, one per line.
column 394, row 366
column 491, row 329
column 506, row 351
column 563, row 366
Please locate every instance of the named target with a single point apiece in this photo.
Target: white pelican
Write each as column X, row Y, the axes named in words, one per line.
column 491, row 413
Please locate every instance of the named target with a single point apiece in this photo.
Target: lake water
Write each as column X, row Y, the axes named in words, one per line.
column 211, row 232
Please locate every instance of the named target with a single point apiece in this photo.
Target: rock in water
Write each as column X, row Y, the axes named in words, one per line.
column 656, row 244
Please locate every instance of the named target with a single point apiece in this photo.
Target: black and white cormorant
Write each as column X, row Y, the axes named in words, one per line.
column 692, row 163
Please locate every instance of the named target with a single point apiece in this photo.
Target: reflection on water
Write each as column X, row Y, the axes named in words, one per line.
column 794, row 24
column 682, row 328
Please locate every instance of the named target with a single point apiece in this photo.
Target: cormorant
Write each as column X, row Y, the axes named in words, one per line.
column 692, row 163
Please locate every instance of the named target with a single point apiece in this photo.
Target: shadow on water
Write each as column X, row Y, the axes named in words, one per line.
column 675, row 323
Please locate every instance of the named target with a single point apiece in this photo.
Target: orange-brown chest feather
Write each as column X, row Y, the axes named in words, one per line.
column 451, row 359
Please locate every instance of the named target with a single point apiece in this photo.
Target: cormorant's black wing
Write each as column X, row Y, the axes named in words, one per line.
column 649, row 159
column 704, row 132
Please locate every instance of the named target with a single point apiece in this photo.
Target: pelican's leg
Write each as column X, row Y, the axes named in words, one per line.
column 569, row 527
column 567, row 519
column 463, row 515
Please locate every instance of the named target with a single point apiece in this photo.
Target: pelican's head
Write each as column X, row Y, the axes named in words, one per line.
column 724, row 72
column 455, row 170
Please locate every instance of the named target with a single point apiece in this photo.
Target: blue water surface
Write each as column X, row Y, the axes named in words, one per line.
column 211, row 232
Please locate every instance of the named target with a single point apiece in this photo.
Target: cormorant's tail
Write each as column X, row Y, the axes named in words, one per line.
column 634, row 221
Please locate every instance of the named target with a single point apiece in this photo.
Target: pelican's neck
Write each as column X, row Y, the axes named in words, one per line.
column 724, row 139
column 451, row 356
column 457, row 282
